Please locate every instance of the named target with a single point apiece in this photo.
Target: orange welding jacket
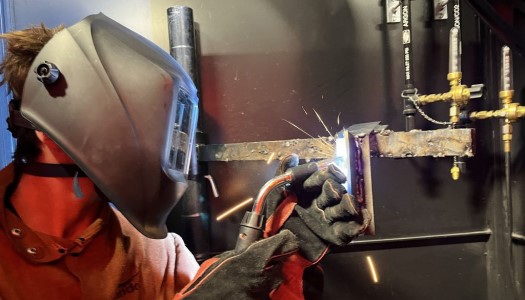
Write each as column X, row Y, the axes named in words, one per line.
column 109, row 260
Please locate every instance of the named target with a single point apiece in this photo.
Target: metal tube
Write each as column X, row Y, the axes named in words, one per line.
column 194, row 211
column 483, row 234
column 507, row 80
column 454, row 54
column 267, row 188
column 182, row 39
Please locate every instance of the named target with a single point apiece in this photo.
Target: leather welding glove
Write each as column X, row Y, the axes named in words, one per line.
column 319, row 211
column 252, row 273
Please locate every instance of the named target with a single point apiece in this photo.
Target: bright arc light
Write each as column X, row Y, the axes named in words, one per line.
column 233, row 209
column 372, row 269
column 342, row 155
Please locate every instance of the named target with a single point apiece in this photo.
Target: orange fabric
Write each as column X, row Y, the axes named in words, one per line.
column 293, row 267
column 292, row 286
column 109, row 260
column 276, row 220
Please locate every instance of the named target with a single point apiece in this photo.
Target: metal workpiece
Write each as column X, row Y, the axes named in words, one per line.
column 363, row 183
column 315, row 148
column 386, row 143
column 417, row 143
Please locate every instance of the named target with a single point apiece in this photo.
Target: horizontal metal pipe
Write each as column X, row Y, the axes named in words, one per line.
column 417, row 241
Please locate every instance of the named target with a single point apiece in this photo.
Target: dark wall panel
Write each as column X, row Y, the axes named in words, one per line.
column 264, row 62
column 453, row 272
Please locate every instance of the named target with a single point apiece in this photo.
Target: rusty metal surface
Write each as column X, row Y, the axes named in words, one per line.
column 435, row 143
column 367, row 184
column 305, row 148
column 387, row 143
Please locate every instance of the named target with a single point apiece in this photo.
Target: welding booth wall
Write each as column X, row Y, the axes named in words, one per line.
column 266, row 61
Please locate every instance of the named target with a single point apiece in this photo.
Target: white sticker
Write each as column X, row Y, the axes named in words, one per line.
column 406, row 36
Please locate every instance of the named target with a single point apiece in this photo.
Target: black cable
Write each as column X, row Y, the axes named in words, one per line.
column 409, row 110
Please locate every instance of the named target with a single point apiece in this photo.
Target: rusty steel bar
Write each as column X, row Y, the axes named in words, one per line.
column 386, row 143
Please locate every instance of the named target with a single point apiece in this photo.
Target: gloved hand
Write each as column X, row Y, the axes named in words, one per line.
column 248, row 274
column 319, row 211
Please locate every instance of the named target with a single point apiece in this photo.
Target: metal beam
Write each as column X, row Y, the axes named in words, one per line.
column 386, row 143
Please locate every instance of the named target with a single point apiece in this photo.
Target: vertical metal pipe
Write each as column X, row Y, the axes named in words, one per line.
column 182, row 39
column 194, row 204
column 507, row 84
column 500, row 281
column 409, row 109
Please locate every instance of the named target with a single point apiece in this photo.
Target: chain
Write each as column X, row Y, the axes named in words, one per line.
column 413, row 98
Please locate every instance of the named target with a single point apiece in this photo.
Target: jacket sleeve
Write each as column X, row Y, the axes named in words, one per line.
column 186, row 266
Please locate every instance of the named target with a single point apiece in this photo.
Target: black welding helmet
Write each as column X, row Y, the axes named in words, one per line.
column 123, row 109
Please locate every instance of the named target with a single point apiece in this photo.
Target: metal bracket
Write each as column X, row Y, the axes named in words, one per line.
column 366, row 128
column 393, row 11
column 440, row 9
column 476, row 90
column 360, row 171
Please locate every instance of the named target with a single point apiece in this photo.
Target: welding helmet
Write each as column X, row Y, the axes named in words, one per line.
column 123, row 109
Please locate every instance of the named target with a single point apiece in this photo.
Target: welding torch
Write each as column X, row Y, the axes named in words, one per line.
column 253, row 222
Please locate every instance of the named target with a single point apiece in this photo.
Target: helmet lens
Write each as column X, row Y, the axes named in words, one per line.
column 180, row 136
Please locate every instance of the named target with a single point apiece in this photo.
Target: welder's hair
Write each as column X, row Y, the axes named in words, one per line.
column 21, row 48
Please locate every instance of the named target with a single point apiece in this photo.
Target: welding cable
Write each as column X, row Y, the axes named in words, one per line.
column 409, row 109
column 507, row 199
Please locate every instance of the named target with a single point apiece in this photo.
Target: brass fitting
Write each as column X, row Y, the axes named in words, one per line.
column 458, row 96
column 506, row 96
column 506, row 136
column 455, row 172
column 454, row 78
column 510, row 111
column 454, row 113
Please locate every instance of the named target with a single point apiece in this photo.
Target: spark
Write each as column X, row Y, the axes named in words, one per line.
column 338, row 115
column 270, row 158
column 372, row 269
column 305, row 112
column 324, row 143
column 298, row 128
column 233, row 209
column 321, row 120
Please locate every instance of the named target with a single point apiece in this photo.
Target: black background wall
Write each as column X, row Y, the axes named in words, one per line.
column 265, row 61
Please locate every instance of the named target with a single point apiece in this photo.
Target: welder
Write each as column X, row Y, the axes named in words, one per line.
column 104, row 121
